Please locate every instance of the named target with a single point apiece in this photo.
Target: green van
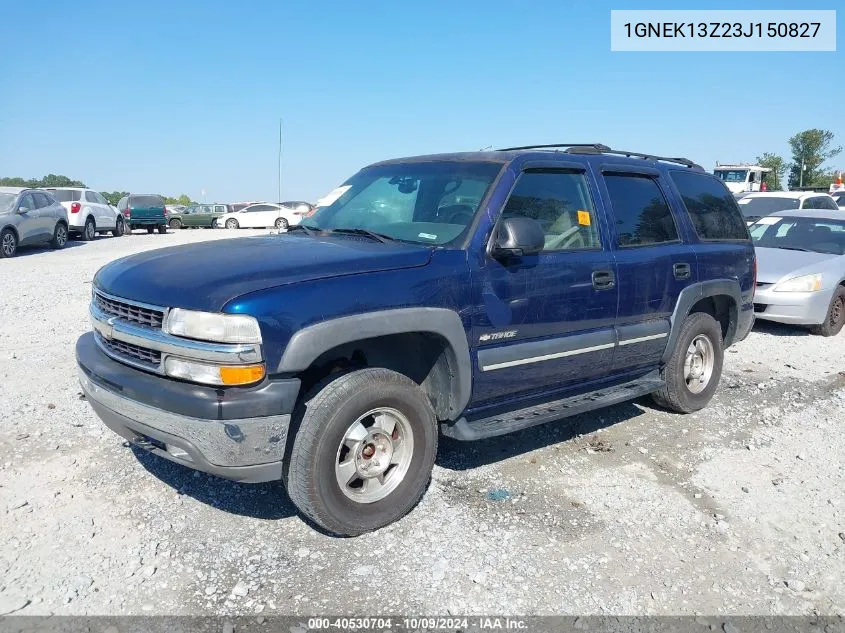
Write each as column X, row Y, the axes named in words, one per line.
column 144, row 211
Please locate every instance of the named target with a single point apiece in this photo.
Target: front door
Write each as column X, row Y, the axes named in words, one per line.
column 653, row 265
column 546, row 320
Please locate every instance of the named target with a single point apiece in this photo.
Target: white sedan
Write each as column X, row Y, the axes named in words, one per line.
column 262, row 215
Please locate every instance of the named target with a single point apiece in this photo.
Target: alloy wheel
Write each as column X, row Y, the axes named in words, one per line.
column 699, row 363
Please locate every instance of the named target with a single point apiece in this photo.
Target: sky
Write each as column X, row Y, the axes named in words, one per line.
column 185, row 97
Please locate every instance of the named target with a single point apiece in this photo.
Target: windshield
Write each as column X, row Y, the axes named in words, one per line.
column 806, row 234
column 65, row 195
column 426, row 203
column 732, row 175
column 7, row 200
column 758, row 207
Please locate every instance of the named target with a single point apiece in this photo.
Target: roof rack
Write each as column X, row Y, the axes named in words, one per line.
column 598, row 148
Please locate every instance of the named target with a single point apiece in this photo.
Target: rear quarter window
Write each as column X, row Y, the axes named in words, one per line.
column 711, row 207
column 65, row 195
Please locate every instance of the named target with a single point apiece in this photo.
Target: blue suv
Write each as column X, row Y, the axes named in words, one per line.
column 473, row 294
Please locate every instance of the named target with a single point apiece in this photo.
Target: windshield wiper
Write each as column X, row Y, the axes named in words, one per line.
column 796, row 248
column 307, row 229
column 371, row 234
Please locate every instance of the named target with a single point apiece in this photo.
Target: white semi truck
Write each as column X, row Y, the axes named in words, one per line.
column 741, row 177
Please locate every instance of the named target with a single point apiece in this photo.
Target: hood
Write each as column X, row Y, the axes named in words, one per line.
column 774, row 263
column 207, row 276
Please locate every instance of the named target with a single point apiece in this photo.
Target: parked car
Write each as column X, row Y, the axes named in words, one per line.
column 758, row 204
column 839, row 197
column 299, row 207
column 144, row 211
column 801, row 269
column 329, row 356
column 198, row 215
column 29, row 217
column 89, row 212
column 263, row 215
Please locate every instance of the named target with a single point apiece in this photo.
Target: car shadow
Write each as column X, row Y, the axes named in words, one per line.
column 780, row 329
column 457, row 455
column 260, row 501
column 25, row 251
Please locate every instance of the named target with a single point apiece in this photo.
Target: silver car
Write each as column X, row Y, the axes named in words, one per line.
column 30, row 216
column 801, row 268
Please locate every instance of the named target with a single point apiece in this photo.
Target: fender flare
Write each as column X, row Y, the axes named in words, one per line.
column 307, row 344
column 694, row 293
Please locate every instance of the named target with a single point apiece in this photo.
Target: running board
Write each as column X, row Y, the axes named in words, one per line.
column 511, row 421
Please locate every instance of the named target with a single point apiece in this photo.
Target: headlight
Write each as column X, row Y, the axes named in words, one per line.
column 213, row 374
column 208, row 326
column 804, row 283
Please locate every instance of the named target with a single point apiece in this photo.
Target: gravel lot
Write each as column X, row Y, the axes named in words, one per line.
column 737, row 509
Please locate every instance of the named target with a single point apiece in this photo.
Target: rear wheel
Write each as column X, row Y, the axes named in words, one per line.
column 150, row 229
column 119, row 228
column 162, row 228
column 695, row 367
column 8, row 243
column 59, row 236
column 835, row 315
column 231, row 223
column 89, row 230
column 281, row 224
column 175, row 224
column 363, row 451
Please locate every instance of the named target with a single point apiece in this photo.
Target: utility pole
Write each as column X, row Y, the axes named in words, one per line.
column 279, row 199
column 801, row 175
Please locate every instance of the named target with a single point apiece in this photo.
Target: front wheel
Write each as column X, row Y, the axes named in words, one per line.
column 835, row 318
column 695, row 367
column 8, row 243
column 175, row 224
column 59, row 236
column 231, row 223
column 119, row 228
column 363, row 452
column 281, row 224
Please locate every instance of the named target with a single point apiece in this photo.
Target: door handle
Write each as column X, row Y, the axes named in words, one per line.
column 681, row 271
column 604, row 279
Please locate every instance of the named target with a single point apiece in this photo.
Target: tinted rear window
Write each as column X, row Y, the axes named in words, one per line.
column 64, row 195
column 642, row 214
column 711, row 207
column 145, row 202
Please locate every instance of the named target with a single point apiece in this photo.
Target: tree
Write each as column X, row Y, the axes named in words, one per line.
column 183, row 199
column 114, row 196
column 50, row 180
column 774, row 178
column 810, row 149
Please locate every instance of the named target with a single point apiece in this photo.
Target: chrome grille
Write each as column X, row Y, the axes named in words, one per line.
column 128, row 311
column 130, row 351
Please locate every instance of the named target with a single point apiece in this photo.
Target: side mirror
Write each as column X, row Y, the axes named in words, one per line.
column 23, row 210
column 518, row 237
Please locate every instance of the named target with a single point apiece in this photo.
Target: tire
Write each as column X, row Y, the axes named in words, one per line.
column 150, row 229
column 327, row 415
column 281, row 224
column 232, row 223
column 59, row 236
column 683, row 393
column 175, row 224
column 89, row 230
column 162, row 229
column 119, row 228
column 8, row 243
column 835, row 315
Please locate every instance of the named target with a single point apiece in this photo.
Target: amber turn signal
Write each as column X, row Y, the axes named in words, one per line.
column 241, row 375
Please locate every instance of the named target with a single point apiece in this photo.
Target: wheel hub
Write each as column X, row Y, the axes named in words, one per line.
column 373, row 455
column 699, row 363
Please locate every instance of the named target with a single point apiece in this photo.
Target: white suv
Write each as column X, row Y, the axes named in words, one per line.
column 88, row 212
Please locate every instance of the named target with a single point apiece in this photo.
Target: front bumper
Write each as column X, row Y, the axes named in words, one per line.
column 799, row 308
column 237, row 434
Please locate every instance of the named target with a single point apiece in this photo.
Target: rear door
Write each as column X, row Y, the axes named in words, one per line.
column 653, row 262
column 546, row 321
